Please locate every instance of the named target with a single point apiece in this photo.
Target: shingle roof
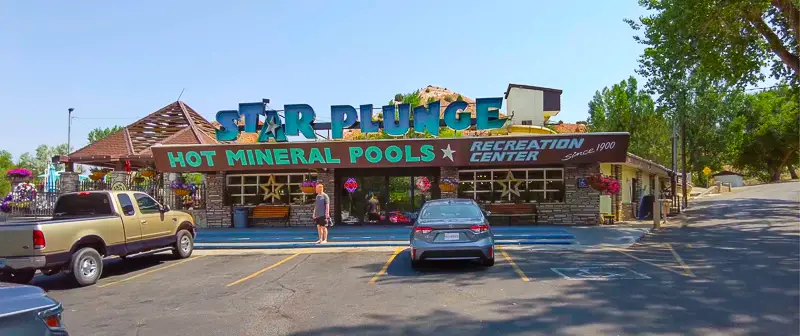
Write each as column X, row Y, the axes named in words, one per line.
column 176, row 123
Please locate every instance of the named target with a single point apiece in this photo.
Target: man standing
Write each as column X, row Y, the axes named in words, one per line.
column 321, row 214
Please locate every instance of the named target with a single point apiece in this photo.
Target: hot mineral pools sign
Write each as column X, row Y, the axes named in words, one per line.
column 470, row 151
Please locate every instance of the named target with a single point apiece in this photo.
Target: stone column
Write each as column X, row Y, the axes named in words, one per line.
column 449, row 173
column 70, row 182
column 617, row 199
column 327, row 179
column 582, row 205
column 218, row 214
column 117, row 176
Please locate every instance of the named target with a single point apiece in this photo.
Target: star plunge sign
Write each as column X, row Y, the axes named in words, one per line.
column 398, row 120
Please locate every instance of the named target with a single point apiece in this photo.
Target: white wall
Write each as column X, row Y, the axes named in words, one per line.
column 735, row 180
column 526, row 104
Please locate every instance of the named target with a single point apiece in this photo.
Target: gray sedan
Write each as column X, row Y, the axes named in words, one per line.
column 452, row 229
column 27, row 310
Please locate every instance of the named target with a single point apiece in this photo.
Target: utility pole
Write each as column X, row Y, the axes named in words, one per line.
column 69, row 129
column 683, row 157
column 674, row 179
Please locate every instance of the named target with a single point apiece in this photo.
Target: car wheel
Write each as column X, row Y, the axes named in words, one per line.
column 184, row 245
column 487, row 262
column 17, row 277
column 87, row 266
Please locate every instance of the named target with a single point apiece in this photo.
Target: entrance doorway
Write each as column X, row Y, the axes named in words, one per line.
column 383, row 196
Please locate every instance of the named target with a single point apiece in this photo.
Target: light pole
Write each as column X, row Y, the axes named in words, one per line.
column 69, row 128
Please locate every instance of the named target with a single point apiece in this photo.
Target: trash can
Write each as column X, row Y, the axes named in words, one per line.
column 240, row 217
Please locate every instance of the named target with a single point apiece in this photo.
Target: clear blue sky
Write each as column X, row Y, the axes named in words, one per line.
column 126, row 59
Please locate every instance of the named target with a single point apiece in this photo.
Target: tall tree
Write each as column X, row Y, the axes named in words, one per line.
column 102, row 133
column 769, row 133
column 729, row 40
column 626, row 108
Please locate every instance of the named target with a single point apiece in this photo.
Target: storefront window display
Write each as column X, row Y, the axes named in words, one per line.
column 254, row 189
column 541, row 185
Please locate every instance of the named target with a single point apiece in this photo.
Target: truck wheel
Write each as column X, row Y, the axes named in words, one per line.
column 86, row 266
column 184, row 245
column 17, row 277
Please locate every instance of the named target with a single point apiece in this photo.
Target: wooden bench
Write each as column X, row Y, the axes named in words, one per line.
column 271, row 212
column 513, row 211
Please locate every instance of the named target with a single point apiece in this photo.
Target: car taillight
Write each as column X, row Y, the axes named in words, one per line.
column 479, row 228
column 422, row 229
column 83, row 193
column 52, row 317
column 38, row 240
column 413, row 254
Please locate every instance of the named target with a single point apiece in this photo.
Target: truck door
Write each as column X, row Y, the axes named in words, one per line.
column 155, row 224
column 130, row 222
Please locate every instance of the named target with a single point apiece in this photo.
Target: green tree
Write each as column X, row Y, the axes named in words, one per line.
column 769, row 133
column 102, row 133
column 731, row 41
column 6, row 163
column 626, row 108
column 44, row 154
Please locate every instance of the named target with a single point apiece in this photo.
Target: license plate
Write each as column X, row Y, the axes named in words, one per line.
column 2, row 263
column 452, row 236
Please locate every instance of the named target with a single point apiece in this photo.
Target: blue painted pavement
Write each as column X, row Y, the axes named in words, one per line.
column 360, row 236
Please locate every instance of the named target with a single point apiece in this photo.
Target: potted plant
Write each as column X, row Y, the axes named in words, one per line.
column 182, row 189
column 20, row 198
column 308, row 186
column 448, row 185
column 604, row 184
column 98, row 173
column 19, row 175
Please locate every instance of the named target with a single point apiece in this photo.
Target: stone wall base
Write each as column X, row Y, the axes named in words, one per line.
column 299, row 215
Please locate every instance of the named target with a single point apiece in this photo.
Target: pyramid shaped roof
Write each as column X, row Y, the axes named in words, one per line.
column 176, row 123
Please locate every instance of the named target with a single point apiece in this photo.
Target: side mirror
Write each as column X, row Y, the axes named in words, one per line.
column 164, row 208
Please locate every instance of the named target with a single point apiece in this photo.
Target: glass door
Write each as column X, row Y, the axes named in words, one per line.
column 361, row 198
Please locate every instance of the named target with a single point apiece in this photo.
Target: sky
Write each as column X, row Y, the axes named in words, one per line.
column 117, row 61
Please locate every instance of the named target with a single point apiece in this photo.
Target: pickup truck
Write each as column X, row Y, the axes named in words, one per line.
column 88, row 226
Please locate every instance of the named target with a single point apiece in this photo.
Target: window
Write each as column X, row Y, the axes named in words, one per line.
column 539, row 185
column 249, row 189
column 443, row 211
column 126, row 204
column 83, row 204
column 146, row 204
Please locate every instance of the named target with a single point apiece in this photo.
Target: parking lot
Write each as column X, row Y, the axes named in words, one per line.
column 368, row 292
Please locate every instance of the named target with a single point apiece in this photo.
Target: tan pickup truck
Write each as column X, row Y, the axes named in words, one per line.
column 87, row 226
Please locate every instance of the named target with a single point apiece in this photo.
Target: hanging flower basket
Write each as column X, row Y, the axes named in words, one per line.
column 182, row 189
column 308, row 187
column 604, row 184
column 19, row 175
column 97, row 175
column 448, row 185
column 149, row 173
column 20, row 198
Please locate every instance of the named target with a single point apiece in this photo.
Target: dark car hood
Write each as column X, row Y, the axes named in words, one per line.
column 16, row 299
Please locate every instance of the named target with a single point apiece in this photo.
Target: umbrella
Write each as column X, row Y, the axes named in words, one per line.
column 51, row 179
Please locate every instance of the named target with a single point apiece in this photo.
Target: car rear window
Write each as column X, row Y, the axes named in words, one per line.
column 442, row 211
column 83, row 204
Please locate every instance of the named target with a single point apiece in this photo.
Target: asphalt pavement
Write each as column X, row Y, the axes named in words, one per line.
column 732, row 269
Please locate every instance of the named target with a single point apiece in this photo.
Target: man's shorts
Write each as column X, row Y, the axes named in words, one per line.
column 321, row 221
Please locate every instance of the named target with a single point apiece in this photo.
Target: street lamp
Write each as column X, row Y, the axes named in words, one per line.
column 69, row 128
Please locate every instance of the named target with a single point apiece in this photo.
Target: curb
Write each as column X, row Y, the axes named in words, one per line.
column 223, row 246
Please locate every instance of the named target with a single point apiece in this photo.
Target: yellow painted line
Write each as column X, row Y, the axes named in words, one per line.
column 513, row 264
column 386, row 265
column 263, row 270
column 686, row 267
column 149, row 272
column 649, row 263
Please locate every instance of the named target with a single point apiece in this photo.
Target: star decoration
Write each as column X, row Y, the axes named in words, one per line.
column 447, row 153
column 272, row 126
column 510, row 185
column 272, row 189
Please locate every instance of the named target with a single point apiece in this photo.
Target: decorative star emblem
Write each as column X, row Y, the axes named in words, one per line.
column 272, row 189
column 510, row 185
column 272, row 126
column 447, row 153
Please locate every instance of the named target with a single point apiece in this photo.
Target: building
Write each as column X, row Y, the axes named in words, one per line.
column 530, row 171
